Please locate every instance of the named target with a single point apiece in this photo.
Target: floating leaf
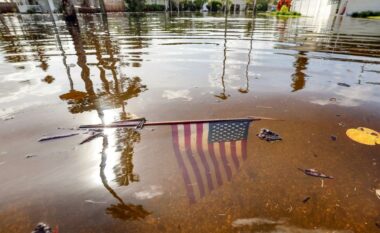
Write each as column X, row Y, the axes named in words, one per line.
column 364, row 136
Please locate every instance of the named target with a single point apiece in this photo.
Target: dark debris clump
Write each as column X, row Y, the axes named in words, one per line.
column 269, row 136
column 42, row 228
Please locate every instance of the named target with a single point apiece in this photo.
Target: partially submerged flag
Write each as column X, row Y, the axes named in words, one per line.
column 208, row 154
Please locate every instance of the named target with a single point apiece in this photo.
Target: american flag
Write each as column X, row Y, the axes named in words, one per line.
column 208, row 154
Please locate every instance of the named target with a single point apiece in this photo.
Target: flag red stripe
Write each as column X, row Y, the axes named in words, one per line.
column 193, row 163
column 215, row 163
column 233, row 154
column 222, row 146
column 244, row 148
column 202, row 155
column 181, row 165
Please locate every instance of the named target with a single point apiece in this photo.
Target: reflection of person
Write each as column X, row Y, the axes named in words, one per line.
column 298, row 77
column 69, row 10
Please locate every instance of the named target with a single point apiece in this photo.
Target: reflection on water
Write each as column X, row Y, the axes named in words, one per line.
column 121, row 210
column 162, row 66
column 299, row 76
column 110, row 53
column 209, row 153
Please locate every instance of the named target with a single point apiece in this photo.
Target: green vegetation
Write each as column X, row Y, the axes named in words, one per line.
column 154, row 7
column 291, row 13
column 135, row 5
column 215, row 5
column 284, row 9
column 196, row 5
column 283, row 12
column 261, row 5
column 199, row 3
column 366, row 14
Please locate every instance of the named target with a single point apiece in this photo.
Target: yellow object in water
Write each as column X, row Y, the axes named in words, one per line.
column 364, row 136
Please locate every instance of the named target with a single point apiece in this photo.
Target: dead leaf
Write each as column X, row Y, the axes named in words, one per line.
column 364, row 136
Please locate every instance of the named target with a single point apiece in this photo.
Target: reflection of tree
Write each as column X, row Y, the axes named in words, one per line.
column 120, row 210
column 114, row 93
column 126, row 138
column 298, row 77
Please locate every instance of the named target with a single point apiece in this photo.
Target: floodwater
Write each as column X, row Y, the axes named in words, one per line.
column 317, row 78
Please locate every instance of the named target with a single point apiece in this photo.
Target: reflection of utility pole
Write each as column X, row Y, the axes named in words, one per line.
column 102, row 7
column 254, row 8
column 61, row 48
column 246, row 90
column 223, row 95
column 3, row 22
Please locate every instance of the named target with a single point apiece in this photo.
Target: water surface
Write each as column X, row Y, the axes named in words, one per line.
column 317, row 78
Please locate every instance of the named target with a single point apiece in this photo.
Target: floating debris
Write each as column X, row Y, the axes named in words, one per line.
column 95, row 202
column 91, row 137
column 344, row 85
column 333, row 137
column 42, row 228
column 30, row 156
column 48, row 79
column 267, row 107
column 306, row 199
column 8, row 118
column 373, row 83
column 241, row 222
column 269, row 136
column 378, row 193
column 364, row 136
column 48, row 138
column 315, row 173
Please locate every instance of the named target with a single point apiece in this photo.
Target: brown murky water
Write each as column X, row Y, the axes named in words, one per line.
column 54, row 77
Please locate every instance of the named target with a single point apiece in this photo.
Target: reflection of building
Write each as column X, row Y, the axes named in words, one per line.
column 114, row 5
column 40, row 6
column 157, row 2
column 326, row 8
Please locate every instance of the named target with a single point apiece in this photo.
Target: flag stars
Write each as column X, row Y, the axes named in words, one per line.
column 228, row 131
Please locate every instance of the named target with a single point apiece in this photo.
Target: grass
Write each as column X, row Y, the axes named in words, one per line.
column 374, row 17
column 285, row 15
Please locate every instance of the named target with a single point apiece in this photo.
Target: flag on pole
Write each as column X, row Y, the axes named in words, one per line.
column 208, row 154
